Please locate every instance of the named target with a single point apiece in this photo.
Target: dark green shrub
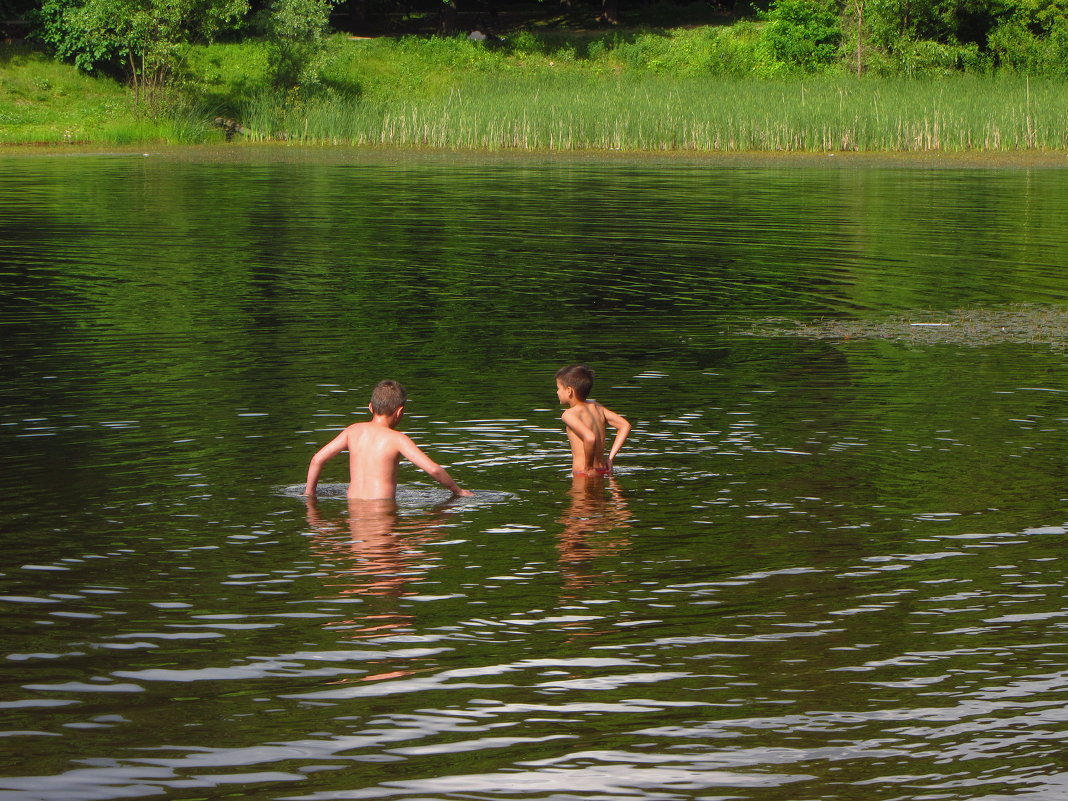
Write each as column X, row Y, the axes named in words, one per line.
column 802, row 33
column 135, row 39
column 927, row 58
column 297, row 40
column 1017, row 47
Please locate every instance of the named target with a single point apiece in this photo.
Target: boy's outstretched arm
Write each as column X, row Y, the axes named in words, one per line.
column 321, row 457
column 410, row 451
column 622, row 427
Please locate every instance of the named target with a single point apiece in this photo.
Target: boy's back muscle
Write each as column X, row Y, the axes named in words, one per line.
column 591, row 415
column 374, row 452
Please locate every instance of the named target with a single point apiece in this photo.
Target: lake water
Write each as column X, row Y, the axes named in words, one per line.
column 828, row 566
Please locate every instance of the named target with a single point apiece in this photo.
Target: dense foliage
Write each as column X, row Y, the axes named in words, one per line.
column 137, row 37
column 296, row 35
column 143, row 40
column 802, row 33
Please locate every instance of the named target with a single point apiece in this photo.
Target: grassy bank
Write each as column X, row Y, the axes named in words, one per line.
column 543, row 94
column 45, row 102
column 652, row 112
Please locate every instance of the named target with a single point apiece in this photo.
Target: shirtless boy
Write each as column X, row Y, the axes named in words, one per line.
column 586, row 421
column 375, row 448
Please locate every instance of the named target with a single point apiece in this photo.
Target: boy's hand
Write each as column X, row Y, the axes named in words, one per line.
column 465, row 493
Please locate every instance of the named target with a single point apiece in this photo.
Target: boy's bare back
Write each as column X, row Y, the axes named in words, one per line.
column 374, row 453
column 375, row 449
column 586, row 418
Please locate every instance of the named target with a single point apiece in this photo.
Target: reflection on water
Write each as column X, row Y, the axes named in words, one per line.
column 826, row 567
column 376, row 555
column 594, row 525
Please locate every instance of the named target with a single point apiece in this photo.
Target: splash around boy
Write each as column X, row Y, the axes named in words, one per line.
column 375, row 449
column 586, row 422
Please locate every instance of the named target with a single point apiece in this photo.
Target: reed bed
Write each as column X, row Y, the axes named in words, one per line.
column 659, row 113
column 447, row 94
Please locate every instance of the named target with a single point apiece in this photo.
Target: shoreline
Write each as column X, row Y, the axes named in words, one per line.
column 287, row 152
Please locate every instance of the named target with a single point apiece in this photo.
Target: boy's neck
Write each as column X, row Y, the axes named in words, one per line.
column 385, row 420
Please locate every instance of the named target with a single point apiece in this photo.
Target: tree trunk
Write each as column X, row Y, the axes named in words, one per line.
column 447, row 24
column 133, row 77
column 860, row 35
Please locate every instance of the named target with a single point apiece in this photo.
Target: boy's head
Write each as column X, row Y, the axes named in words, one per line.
column 387, row 397
column 577, row 377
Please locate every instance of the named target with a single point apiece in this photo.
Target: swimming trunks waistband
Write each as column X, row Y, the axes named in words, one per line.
column 597, row 471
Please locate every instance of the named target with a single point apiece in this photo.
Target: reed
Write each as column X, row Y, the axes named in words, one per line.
column 645, row 94
column 649, row 112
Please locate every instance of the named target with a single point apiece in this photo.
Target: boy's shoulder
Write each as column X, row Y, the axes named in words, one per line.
column 578, row 408
column 586, row 409
column 369, row 429
column 379, row 432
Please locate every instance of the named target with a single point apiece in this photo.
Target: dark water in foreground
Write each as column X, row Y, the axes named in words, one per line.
column 825, row 569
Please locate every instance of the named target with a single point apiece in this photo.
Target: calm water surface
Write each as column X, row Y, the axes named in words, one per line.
column 825, row 569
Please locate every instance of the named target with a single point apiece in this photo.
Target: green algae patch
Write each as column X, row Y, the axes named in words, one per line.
column 1030, row 325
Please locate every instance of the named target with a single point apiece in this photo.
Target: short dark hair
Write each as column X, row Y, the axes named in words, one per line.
column 577, row 376
column 388, row 396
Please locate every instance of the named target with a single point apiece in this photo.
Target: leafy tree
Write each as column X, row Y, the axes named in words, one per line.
column 895, row 22
column 296, row 35
column 803, row 33
column 1017, row 46
column 135, row 38
column 1039, row 16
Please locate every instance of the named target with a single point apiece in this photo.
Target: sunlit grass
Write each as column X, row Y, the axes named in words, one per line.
column 650, row 112
column 540, row 96
column 46, row 102
column 41, row 100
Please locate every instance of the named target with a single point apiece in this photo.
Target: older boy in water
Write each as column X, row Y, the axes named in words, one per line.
column 375, row 448
column 586, row 421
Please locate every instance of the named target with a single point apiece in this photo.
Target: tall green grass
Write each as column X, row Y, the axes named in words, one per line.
column 657, row 113
column 699, row 90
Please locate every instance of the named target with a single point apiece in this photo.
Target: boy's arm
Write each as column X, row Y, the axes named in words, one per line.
column 410, row 451
column 315, row 520
column 321, row 457
column 622, row 427
column 586, row 435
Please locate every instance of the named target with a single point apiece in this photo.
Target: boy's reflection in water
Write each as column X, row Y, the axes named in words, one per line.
column 595, row 525
column 378, row 558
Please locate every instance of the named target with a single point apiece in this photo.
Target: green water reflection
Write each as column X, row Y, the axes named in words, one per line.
column 826, row 568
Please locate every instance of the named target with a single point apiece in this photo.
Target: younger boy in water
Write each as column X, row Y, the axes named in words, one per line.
column 586, row 421
column 375, row 449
